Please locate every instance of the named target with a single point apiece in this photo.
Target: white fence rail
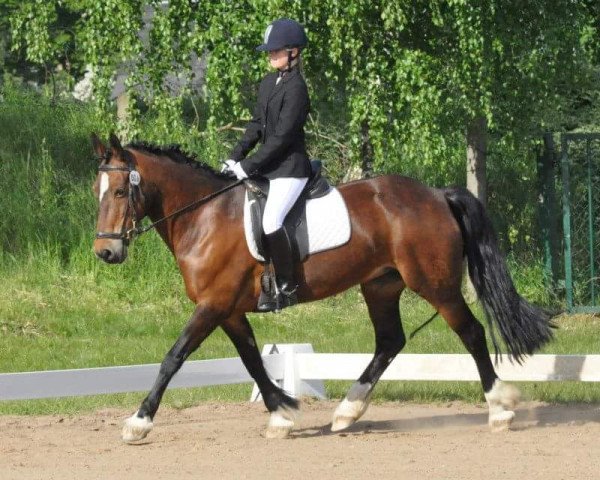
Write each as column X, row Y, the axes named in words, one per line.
column 453, row 367
column 295, row 368
column 133, row 378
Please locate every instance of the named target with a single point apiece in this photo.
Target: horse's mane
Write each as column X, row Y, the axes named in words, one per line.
column 175, row 153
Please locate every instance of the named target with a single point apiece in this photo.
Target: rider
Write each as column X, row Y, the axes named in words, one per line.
column 278, row 123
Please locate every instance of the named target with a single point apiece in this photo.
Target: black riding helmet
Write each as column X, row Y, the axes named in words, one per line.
column 283, row 33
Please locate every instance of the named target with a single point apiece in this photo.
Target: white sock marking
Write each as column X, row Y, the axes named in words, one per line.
column 280, row 418
column 501, row 399
column 352, row 407
column 136, row 428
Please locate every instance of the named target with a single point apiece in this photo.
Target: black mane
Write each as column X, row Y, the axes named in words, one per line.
column 175, row 153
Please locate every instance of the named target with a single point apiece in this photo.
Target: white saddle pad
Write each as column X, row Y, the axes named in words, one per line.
column 327, row 219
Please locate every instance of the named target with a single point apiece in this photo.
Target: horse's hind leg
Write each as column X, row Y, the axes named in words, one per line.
column 501, row 397
column 282, row 407
column 382, row 296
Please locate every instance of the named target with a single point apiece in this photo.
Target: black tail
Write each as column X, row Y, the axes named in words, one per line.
column 523, row 327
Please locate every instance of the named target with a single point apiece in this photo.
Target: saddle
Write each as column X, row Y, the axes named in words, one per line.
column 295, row 223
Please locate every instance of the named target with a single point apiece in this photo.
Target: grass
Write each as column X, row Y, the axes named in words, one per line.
column 52, row 319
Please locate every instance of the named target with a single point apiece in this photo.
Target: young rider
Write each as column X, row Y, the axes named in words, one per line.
column 278, row 124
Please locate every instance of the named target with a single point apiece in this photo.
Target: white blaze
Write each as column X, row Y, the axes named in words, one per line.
column 103, row 184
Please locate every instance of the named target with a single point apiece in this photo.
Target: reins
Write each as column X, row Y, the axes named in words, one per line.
column 137, row 231
column 423, row 325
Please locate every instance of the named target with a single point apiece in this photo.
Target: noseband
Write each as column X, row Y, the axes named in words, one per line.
column 134, row 181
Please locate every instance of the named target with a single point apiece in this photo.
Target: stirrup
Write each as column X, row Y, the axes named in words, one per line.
column 266, row 303
column 266, row 299
column 276, row 303
column 285, row 300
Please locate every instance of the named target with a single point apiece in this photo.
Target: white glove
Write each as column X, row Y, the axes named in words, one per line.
column 227, row 166
column 237, row 169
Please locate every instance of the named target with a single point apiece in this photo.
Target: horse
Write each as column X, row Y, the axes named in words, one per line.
column 404, row 234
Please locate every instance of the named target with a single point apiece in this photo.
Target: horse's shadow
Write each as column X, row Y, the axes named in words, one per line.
column 527, row 418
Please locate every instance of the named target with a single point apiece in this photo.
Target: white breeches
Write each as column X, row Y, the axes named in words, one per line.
column 283, row 193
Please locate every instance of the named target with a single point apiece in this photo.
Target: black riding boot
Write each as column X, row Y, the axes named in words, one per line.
column 280, row 250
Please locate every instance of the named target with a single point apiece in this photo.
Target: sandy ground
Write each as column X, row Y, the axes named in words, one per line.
column 225, row 441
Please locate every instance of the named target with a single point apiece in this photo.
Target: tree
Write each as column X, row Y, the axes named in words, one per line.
column 428, row 75
column 43, row 37
column 421, row 81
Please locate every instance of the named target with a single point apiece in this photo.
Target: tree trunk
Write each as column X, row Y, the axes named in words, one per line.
column 366, row 150
column 476, row 176
column 476, row 158
column 122, row 107
column 123, row 116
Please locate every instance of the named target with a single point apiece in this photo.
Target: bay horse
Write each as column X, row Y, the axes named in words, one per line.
column 404, row 235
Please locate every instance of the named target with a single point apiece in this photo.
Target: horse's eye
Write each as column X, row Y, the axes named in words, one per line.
column 120, row 192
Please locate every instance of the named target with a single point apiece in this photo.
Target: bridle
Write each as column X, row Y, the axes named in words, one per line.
column 126, row 235
column 134, row 186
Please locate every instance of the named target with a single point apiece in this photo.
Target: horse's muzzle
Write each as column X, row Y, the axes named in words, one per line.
column 113, row 251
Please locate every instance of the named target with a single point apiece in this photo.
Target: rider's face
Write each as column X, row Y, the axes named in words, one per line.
column 279, row 58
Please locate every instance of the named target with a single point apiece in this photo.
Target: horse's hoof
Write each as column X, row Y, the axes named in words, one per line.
column 281, row 423
column 277, row 432
column 352, row 407
column 136, row 428
column 501, row 421
column 341, row 423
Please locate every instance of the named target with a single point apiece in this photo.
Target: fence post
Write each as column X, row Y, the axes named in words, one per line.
column 291, row 383
column 548, row 210
column 567, row 222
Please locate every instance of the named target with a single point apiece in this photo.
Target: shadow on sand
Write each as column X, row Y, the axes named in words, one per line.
column 527, row 417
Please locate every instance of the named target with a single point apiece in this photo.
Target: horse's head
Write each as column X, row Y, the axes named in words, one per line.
column 117, row 188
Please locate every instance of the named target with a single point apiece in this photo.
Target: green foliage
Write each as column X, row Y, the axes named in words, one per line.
column 409, row 74
column 413, row 74
column 42, row 171
column 30, row 30
column 416, row 73
column 41, row 38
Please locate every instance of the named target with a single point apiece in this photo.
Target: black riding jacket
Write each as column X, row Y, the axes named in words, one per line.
column 278, row 123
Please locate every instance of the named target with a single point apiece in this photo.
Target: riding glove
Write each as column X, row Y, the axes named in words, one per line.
column 234, row 168
column 226, row 166
column 239, row 172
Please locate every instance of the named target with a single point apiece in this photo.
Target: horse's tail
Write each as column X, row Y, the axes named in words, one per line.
column 523, row 327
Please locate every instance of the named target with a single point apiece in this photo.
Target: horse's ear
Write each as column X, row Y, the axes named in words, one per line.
column 115, row 145
column 99, row 147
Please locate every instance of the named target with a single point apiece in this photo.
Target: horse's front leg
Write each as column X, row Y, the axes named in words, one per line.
column 282, row 407
column 200, row 326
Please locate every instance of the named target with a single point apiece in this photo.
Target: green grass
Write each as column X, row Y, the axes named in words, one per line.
column 51, row 319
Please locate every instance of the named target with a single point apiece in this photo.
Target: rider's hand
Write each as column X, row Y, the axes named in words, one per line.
column 227, row 167
column 234, row 169
column 239, row 172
